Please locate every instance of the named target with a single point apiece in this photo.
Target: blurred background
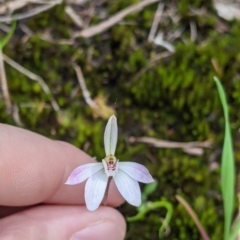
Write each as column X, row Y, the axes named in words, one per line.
column 71, row 64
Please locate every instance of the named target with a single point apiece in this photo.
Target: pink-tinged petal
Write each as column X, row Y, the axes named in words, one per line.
column 83, row 172
column 128, row 187
column 136, row 171
column 110, row 136
column 95, row 189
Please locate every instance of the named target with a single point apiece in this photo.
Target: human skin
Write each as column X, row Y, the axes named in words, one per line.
column 35, row 203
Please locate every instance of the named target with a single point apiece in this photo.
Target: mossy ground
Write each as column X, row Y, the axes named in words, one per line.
column 175, row 99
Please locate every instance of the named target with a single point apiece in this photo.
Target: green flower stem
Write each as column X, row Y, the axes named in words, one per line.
column 149, row 206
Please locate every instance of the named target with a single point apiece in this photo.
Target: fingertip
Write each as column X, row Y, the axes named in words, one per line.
column 64, row 222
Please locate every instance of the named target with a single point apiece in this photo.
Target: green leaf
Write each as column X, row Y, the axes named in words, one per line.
column 6, row 39
column 227, row 166
column 148, row 190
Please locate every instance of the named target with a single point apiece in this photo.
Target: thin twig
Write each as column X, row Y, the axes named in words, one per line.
column 74, row 16
column 98, row 105
column 156, row 21
column 16, row 116
column 86, row 93
column 4, row 86
column 168, row 144
column 12, row 6
column 193, row 30
column 77, row 2
column 34, row 77
column 194, row 217
column 194, row 148
column 103, row 26
column 44, row 37
column 49, row 39
column 158, row 40
column 31, row 13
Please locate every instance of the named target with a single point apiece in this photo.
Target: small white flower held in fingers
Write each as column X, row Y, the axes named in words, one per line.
column 125, row 174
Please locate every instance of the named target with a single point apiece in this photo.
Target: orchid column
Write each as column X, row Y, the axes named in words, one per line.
column 125, row 174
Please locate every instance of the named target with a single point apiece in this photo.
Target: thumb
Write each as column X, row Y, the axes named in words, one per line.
column 63, row 223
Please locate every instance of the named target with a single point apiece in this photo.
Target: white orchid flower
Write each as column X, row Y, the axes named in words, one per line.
column 126, row 175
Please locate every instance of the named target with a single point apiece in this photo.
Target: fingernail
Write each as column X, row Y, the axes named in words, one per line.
column 105, row 230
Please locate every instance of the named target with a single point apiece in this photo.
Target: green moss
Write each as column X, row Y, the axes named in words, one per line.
column 173, row 99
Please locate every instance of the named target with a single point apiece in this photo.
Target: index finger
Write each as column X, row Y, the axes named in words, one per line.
column 33, row 169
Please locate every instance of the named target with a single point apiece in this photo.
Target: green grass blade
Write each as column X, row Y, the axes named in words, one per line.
column 6, row 39
column 227, row 167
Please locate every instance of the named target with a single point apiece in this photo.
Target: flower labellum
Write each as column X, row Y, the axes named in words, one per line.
column 126, row 175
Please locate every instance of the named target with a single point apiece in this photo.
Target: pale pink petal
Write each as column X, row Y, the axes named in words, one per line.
column 83, row 172
column 95, row 189
column 136, row 171
column 110, row 136
column 128, row 187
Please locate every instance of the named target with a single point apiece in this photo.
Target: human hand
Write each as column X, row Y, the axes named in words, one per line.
column 35, row 203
